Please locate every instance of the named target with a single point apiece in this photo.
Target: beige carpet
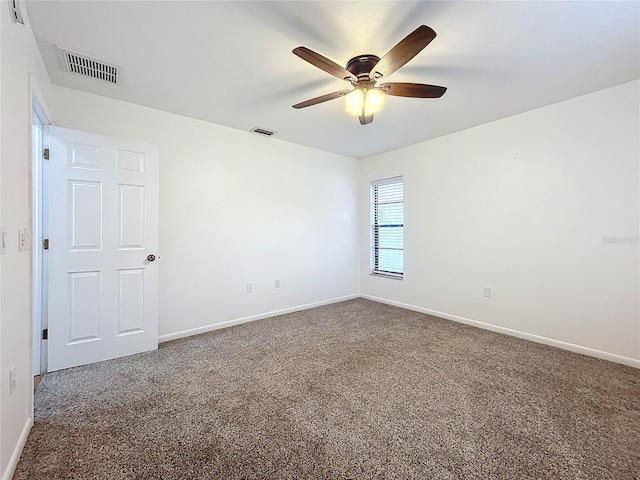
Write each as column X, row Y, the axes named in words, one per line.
column 355, row 390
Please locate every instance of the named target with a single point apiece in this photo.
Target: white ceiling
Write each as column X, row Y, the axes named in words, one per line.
column 230, row 63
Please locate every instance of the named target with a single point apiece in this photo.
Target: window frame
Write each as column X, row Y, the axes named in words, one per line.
column 375, row 229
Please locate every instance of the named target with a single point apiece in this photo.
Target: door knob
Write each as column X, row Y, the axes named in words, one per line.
column 151, row 257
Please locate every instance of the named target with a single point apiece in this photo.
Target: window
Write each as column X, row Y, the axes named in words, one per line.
column 387, row 227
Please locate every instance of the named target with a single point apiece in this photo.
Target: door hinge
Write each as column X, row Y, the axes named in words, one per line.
column 45, row 244
column 45, row 154
column 45, row 334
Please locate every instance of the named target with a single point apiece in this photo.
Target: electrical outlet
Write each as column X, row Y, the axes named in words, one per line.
column 12, row 379
column 3, row 239
column 276, row 283
column 486, row 292
column 249, row 287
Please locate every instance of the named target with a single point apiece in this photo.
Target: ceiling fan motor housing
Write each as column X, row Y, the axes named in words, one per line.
column 361, row 65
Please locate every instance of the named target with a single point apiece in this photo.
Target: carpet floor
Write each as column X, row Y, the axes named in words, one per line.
column 354, row 390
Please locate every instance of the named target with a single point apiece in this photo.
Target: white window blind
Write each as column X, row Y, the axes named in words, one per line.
column 387, row 227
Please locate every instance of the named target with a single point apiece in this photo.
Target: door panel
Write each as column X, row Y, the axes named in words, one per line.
column 85, row 294
column 85, row 215
column 131, row 212
column 84, row 156
column 130, row 301
column 103, row 293
column 131, row 161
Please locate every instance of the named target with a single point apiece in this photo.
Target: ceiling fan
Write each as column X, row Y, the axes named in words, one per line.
column 363, row 72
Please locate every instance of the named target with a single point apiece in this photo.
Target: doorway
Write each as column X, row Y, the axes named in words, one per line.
column 103, row 194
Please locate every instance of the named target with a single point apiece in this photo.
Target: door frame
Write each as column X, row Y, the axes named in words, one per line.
column 39, row 228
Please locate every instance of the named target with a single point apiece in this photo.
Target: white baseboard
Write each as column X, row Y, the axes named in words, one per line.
column 251, row 318
column 515, row 333
column 17, row 451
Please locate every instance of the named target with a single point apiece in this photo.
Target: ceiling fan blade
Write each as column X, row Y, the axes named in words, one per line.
column 365, row 119
column 404, row 51
column 324, row 63
column 323, row 98
column 415, row 90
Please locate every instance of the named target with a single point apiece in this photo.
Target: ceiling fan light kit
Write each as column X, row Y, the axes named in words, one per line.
column 364, row 101
column 365, row 98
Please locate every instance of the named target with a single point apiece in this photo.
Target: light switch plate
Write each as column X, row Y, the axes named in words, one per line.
column 24, row 242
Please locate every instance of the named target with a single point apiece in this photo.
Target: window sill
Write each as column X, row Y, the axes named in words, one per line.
column 387, row 275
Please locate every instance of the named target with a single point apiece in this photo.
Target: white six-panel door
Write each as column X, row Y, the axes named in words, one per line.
column 103, row 291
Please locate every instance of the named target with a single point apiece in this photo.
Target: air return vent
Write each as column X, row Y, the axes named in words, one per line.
column 262, row 131
column 90, row 67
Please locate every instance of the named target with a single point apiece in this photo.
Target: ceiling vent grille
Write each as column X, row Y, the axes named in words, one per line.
column 262, row 131
column 90, row 67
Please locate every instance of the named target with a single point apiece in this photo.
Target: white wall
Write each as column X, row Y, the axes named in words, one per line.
column 522, row 205
column 19, row 58
column 236, row 208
